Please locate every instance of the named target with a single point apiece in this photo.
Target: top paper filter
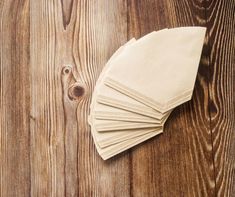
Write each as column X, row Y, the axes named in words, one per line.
column 159, row 69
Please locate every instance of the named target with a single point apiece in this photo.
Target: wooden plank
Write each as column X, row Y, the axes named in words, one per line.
column 64, row 161
column 50, row 59
column 221, row 27
column 14, row 98
column 179, row 162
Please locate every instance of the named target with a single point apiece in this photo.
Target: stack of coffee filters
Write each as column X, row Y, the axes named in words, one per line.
column 141, row 84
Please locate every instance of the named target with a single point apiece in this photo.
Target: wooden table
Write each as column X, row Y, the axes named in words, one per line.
column 46, row 148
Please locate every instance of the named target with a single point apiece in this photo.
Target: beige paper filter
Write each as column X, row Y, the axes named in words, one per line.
column 104, row 140
column 160, row 70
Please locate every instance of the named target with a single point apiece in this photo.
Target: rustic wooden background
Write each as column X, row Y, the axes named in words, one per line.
column 46, row 148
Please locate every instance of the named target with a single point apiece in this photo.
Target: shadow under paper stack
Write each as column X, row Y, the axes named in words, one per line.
column 141, row 84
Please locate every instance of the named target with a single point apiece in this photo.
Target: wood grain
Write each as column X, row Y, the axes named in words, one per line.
column 182, row 157
column 68, row 58
column 221, row 28
column 14, row 98
column 51, row 54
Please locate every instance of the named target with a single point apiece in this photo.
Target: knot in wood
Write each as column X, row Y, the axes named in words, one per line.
column 66, row 70
column 76, row 91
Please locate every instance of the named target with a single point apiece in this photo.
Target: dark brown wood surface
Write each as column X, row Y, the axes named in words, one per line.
column 51, row 54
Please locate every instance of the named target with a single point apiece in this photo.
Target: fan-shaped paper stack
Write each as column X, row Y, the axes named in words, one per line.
column 141, row 84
